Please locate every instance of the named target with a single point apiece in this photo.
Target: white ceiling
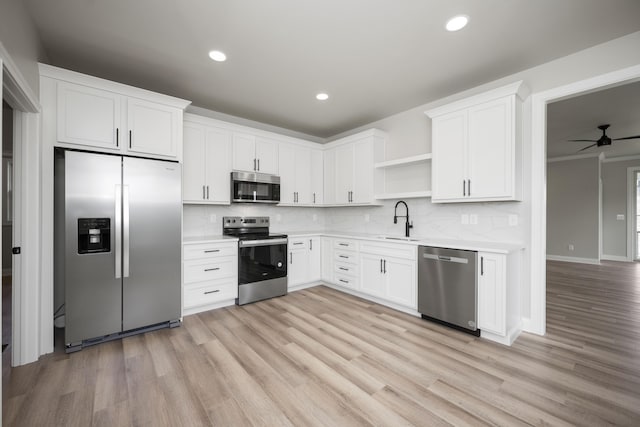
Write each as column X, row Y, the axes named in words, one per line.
column 579, row 118
column 374, row 57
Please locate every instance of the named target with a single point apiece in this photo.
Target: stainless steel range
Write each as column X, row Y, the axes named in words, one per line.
column 262, row 258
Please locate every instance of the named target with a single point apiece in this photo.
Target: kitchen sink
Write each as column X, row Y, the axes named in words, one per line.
column 403, row 239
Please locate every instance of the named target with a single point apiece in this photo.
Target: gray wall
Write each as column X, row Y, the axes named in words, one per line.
column 614, row 202
column 21, row 40
column 572, row 208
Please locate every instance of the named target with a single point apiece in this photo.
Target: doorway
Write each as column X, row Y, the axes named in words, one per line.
column 7, row 233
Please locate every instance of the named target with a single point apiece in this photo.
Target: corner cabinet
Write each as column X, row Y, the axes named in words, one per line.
column 476, row 147
column 207, row 162
column 110, row 117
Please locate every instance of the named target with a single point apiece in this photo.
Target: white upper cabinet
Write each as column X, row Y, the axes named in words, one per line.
column 295, row 175
column 476, row 145
column 252, row 153
column 88, row 116
column 349, row 173
column 207, row 163
column 110, row 117
column 153, row 128
column 317, row 171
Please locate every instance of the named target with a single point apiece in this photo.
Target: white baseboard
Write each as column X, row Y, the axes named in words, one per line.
column 615, row 258
column 573, row 259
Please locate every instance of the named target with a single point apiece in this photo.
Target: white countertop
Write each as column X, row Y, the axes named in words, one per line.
column 208, row 239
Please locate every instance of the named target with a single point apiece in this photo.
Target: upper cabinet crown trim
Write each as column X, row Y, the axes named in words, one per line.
column 355, row 137
column 96, row 82
column 518, row 88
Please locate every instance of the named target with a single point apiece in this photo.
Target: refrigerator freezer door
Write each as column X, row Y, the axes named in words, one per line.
column 152, row 235
column 93, row 292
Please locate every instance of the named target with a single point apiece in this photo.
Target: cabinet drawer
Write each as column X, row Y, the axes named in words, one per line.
column 403, row 251
column 344, row 269
column 345, row 244
column 201, row 270
column 210, row 250
column 301, row 243
column 210, row 292
column 346, row 281
column 345, row 257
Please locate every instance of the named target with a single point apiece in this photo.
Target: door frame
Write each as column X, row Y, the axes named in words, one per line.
column 537, row 321
column 632, row 207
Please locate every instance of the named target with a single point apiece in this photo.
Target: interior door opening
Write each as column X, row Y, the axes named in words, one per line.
column 636, row 227
column 7, row 232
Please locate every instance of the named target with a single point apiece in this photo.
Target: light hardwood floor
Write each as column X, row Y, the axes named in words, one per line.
column 320, row 357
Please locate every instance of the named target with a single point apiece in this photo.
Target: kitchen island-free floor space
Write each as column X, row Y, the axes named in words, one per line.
column 321, row 357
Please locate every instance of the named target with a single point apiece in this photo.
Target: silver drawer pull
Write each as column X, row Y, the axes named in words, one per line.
column 212, row 269
column 299, row 243
column 211, row 250
column 344, row 281
column 343, row 256
column 212, row 292
column 343, row 244
column 343, row 269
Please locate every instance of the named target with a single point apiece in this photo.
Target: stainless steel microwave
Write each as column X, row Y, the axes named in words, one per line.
column 251, row 187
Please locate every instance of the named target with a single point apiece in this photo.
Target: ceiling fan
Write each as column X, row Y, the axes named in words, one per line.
column 604, row 139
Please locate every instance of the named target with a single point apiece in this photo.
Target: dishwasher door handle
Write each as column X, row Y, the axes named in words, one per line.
column 446, row 258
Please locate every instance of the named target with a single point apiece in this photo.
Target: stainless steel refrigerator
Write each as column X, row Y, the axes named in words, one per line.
column 118, row 241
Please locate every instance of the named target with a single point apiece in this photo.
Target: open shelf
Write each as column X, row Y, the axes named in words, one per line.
column 407, row 195
column 404, row 161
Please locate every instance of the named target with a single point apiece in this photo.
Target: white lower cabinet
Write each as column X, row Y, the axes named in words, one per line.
column 388, row 271
column 210, row 275
column 305, row 261
column 327, row 260
column 499, row 317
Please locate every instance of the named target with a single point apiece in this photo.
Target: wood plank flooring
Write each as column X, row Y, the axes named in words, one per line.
column 319, row 357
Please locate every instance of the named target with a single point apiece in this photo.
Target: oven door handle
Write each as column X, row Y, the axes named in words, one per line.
column 269, row 242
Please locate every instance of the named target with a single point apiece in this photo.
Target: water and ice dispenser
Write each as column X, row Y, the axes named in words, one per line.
column 94, row 235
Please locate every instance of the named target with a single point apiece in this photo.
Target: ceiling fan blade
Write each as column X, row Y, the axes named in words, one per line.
column 592, row 145
column 582, row 140
column 626, row 137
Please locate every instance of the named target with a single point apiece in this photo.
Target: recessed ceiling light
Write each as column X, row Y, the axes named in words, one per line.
column 322, row 97
column 217, row 56
column 457, row 23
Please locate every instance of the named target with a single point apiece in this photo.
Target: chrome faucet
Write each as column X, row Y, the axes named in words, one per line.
column 407, row 224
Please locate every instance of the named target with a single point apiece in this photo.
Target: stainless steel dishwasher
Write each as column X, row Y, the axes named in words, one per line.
column 448, row 287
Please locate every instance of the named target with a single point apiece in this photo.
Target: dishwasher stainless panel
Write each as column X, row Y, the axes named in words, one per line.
column 448, row 287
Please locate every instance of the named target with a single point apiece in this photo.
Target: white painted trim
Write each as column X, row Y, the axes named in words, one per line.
column 304, row 286
column 518, row 89
column 15, row 88
column 606, row 257
column 620, row 159
column 355, row 137
column 573, row 259
column 631, row 213
column 96, row 82
column 539, row 101
column 573, row 157
column 194, row 310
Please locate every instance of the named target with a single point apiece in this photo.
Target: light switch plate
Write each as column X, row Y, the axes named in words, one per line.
column 473, row 219
column 513, row 220
column 465, row 219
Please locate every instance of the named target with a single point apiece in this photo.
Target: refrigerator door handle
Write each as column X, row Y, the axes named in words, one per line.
column 125, row 231
column 118, row 221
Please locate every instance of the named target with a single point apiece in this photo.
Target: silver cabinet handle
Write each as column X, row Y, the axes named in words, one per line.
column 254, row 164
column 482, row 266
column 211, row 251
column 310, row 244
column 130, row 137
column 314, row 197
column 207, row 192
column 212, row 292
column 258, row 165
column 343, row 256
column 385, row 267
column 290, row 257
column 212, row 269
column 118, row 218
column 344, row 281
column 125, row 231
column 299, row 243
column 343, row 244
column 203, row 193
column 380, row 265
column 468, row 187
column 117, row 137
column 343, row 269
column 464, row 188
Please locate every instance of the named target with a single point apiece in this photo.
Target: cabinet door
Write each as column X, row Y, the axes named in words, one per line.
column 88, row 116
column 193, row 169
column 329, row 178
column 344, row 173
column 400, row 276
column 287, row 173
column 315, row 259
column 490, row 149
column 363, row 172
column 492, row 293
column 218, row 165
column 372, row 280
column 298, row 267
column 303, row 175
column 153, row 128
column 327, row 259
column 448, row 163
column 267, row 156
column 244, row 152
column 317, row 167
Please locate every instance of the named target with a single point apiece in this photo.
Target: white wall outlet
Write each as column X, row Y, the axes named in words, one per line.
column 473, row 219
column 213, row 218
column 571, row 247
column 465, row 219
column 315, row 217
column 513, row 220
column 620, row 217
column 367, row 217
